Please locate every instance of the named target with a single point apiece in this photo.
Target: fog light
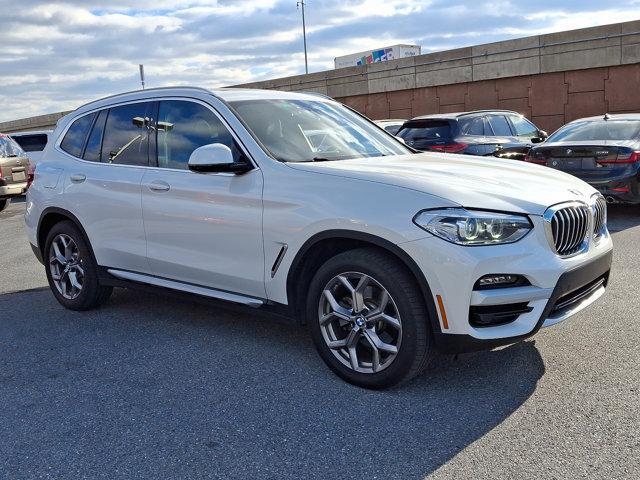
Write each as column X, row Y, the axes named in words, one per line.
column 500, row 280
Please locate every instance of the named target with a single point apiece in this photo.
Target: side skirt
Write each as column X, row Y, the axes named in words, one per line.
column 184, row 291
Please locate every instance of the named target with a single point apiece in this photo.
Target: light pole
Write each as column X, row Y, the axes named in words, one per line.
column 304, row 35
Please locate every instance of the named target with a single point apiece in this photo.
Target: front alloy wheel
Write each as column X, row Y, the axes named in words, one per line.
column 360, row 322
column 368, row 318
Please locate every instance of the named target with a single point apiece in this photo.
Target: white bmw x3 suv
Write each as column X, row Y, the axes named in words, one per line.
column 295, row 203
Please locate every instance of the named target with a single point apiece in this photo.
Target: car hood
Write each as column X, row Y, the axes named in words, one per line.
column 468, row 181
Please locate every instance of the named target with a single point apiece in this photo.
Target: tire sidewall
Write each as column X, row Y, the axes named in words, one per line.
column 90, row 282
column 411, row 323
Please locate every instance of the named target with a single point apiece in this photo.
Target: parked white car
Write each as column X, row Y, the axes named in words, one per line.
column 391, row 125
column 387, row 255
column 33, row 143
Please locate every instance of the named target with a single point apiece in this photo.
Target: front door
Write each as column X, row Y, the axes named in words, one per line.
column 202, row 228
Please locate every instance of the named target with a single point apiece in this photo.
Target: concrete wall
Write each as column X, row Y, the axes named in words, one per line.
column 549, row 99
column 551, row 78
column 41, row 122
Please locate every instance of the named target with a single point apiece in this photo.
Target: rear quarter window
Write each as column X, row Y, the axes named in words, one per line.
column 74, row 140
column 472, row 126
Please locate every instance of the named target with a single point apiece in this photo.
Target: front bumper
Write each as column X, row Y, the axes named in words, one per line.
column 12, row 189
column 570, row 284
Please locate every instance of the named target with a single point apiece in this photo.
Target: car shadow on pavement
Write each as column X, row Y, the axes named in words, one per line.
column 154, row 387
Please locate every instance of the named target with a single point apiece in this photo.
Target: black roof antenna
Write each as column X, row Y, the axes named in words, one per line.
column 607, row 116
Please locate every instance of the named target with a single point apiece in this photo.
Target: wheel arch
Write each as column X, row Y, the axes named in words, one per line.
column 51, row 216
column 322, row 246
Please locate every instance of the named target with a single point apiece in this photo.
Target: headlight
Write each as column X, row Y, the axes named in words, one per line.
column 471, row 227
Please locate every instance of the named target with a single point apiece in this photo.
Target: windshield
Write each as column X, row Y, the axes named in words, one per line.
column 313, row 130
column 599, row 130
column 9, row 148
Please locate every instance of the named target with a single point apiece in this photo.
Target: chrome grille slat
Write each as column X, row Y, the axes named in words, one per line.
column 569, row 228
column 599, row 216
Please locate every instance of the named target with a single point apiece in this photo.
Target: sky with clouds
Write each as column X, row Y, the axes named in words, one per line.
column 56, row 55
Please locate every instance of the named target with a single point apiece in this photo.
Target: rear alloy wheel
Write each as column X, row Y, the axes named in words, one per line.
column 65, row 264
column 71, row 269
column 368, row 318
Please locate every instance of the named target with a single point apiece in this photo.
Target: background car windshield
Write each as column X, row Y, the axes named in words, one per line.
column 304, row 130
column 600, row 130
column 9, row 148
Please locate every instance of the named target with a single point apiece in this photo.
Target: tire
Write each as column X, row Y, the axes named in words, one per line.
column 82, row 269
column 4, row 203
column 406, row 324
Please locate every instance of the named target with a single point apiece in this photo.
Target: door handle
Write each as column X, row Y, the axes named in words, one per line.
column 159, row 186
column 78, row 177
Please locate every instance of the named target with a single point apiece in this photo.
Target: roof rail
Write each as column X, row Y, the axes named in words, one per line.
column 487, row 110
column 145, row 90
column 317, row 94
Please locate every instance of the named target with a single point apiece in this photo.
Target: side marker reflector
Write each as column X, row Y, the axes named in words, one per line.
column 443, row 314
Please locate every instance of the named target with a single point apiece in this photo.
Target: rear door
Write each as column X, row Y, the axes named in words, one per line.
column 202, row 228
column 110, row 152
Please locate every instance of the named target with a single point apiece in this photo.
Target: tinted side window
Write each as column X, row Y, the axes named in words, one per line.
column 126, row 134
column 472, row 126
column 184, row 126
column 73, row 141
column 94, row 144
column 499, row 125
column 523, row 127
column 32, row 143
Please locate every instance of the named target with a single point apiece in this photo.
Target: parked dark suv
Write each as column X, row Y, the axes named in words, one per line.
column 603, row 151
column 501, row 133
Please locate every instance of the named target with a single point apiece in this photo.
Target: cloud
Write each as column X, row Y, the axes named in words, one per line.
column 58, row 55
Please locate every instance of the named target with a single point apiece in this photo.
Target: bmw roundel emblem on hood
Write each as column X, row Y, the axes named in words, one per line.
column 577, row 193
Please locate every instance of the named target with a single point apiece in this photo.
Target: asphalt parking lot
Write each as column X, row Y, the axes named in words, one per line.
column 154, row 387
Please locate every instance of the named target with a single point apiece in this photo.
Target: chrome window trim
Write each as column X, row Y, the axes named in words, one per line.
column 235, row 136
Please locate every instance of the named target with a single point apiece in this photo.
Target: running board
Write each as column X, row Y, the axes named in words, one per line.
column 186, row 287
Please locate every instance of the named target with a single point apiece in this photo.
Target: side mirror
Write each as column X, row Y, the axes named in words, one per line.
column 215, row 157
column 542, row 136
column 400, row 139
